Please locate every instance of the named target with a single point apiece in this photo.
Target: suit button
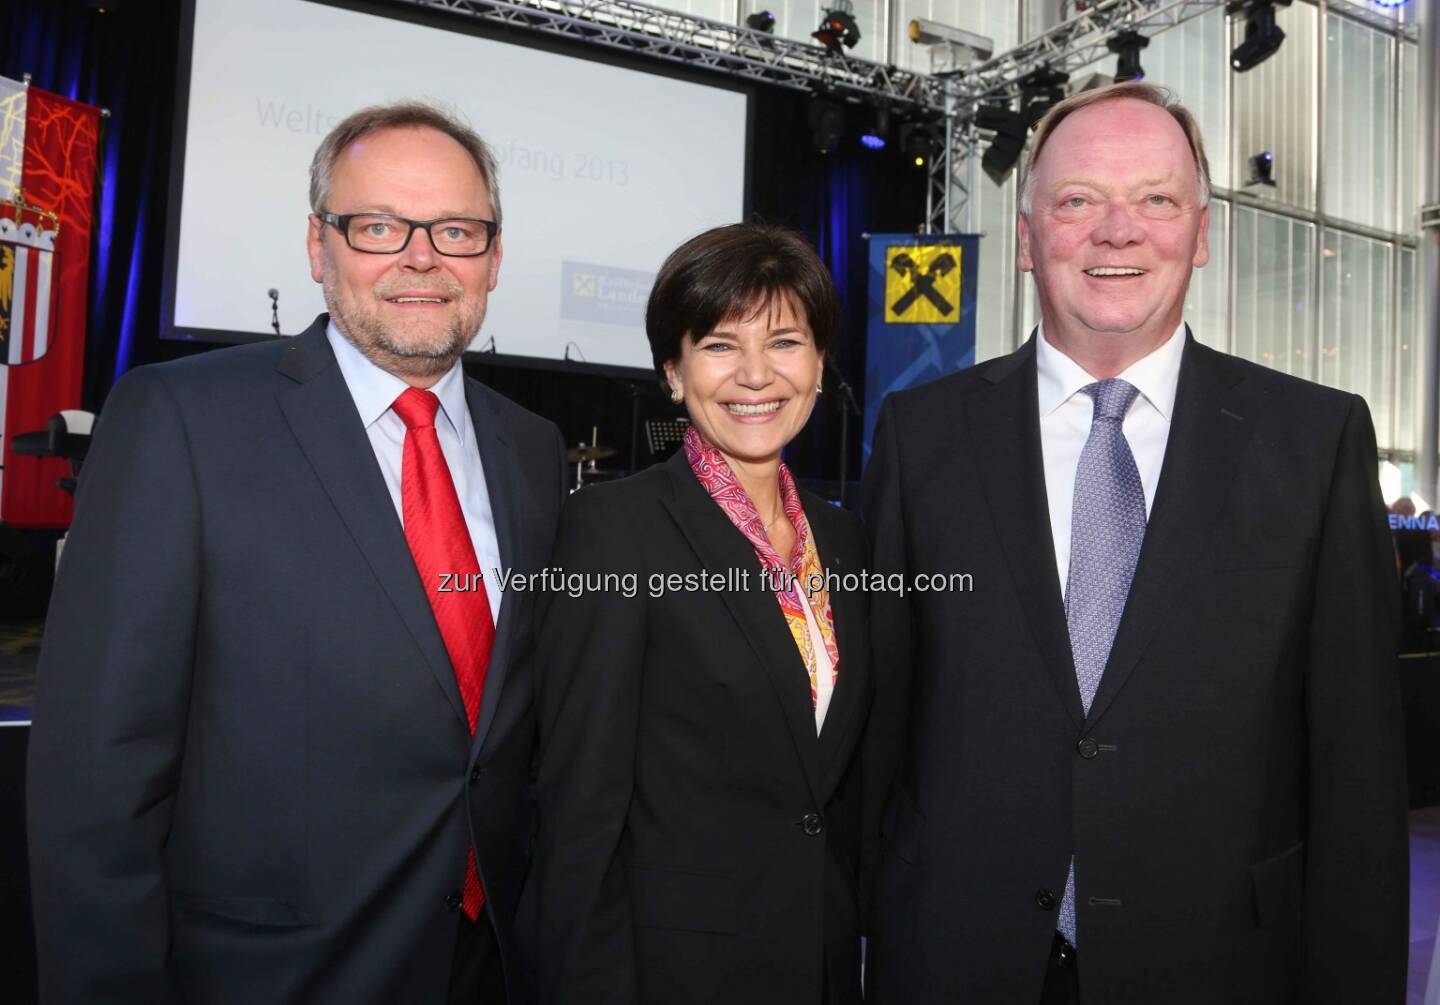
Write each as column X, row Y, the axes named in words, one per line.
column 452, row 902
column 812, row 824
column 1045, row 900
column 475, row 774
column 1088, row 748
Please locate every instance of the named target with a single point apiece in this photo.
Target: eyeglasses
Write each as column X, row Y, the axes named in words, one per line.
column 384, row 234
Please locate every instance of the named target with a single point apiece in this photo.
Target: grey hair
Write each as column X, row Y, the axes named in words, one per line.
column 400, row 115
column 1132, row 89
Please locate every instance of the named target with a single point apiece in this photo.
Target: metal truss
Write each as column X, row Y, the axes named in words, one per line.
column 751, row 55
column 708, row 45
column 1067, row 48
column 1079, row 42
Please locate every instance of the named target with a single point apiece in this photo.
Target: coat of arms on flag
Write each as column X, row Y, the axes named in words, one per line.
column 27, row 266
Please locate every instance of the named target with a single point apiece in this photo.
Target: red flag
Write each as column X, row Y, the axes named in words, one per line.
column 61, row 141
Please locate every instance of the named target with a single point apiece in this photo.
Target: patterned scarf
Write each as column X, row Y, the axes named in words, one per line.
column 719, row 481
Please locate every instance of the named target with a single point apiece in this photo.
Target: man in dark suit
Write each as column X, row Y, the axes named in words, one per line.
column 1155, row 754
column 283, row 730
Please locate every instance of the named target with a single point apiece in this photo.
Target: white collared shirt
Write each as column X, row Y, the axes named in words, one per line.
column 1065, row 416
column 374, row 392
column 824, row 669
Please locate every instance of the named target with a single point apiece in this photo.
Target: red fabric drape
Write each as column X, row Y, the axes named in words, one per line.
column 61, row 141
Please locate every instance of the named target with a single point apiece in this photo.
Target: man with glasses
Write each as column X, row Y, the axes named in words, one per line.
column 283, row 726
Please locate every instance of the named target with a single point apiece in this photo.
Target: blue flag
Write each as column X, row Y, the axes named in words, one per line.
column 922, row 313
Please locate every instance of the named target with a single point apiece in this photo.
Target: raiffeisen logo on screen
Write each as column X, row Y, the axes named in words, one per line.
column 603, row 293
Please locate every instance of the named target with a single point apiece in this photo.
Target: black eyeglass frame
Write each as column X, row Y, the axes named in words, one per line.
column 341, row 222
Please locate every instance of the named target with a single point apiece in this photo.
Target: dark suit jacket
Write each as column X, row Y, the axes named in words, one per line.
column 1235, row 798
column 698, row 842
column 250, row 767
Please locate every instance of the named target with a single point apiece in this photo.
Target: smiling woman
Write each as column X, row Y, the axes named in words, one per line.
column 700, row 838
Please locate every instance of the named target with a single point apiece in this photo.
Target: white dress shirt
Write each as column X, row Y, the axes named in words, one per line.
column 374, row 391
column 824, row 669
column 1065, row 416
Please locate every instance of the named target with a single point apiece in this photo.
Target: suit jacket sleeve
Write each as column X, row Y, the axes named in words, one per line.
column 112, row 693
column 890, row 644
column 1356, row 883
column 591, row 651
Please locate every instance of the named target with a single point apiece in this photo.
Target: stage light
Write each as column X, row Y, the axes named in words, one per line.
column 1262, row 35
column 838, row 27
column 875, row 137
column 1010, row 130
column 761, row 20
column 827, row 124
column 920, row 140
column 1262, row 170
column 1040, row 90
column 1127, row 45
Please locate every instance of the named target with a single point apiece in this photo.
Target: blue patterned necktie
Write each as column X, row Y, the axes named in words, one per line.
column 1107, row 527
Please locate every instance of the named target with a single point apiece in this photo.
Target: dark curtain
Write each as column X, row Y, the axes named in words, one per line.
column 124, row 60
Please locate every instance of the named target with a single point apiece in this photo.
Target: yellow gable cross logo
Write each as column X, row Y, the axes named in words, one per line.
column 582, row 284
column 922, row 284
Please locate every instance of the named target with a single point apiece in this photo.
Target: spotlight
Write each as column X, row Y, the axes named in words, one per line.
column 1040, row 90
column 762, row 21
column 838, row 27
column 876, row 136
column 1262, row 170
column 1127, row 45
column 1262, row 35
column 920, row 141
column 1010, row 130
column 827, row 124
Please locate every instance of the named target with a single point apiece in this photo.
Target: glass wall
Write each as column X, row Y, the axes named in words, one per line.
column 1360, row 152
column 1357, row 338
column 1410, row 356
column 1274, row 290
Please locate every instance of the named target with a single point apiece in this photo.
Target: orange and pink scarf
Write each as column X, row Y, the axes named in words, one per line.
column 804, row 567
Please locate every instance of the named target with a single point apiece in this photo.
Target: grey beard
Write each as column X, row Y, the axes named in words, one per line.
column 378, row 343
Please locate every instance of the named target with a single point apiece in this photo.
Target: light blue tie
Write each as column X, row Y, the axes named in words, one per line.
column 1107, row 527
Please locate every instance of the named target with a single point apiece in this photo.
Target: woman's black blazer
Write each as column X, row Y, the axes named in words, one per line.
column 698, row 842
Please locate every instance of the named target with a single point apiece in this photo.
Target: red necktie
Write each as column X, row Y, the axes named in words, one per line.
column 440, row 544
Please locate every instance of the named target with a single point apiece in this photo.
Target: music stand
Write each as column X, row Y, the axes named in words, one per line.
column 664, row 436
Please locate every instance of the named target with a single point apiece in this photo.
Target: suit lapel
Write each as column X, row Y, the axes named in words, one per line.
column 321, row 414
column 497, row 456
column 1208, row 434
column 1004, row 422
column 850, row 638
column 721, row 547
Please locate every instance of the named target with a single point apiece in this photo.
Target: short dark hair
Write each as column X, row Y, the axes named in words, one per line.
column 737, row 271
column 400, row 115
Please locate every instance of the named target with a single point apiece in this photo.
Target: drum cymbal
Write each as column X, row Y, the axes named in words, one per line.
column 585, row 454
